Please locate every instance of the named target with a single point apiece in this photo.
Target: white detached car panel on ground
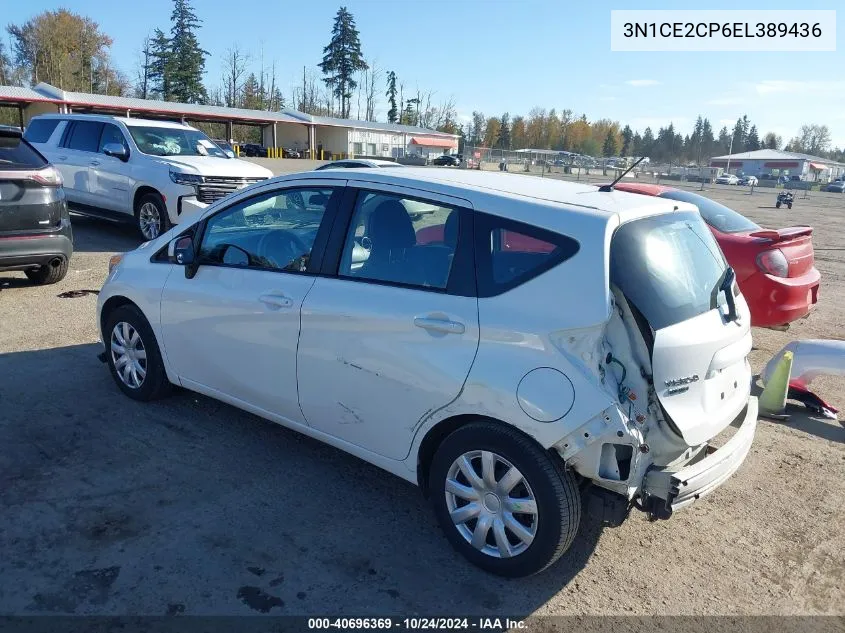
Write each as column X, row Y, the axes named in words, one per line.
column 500, row 340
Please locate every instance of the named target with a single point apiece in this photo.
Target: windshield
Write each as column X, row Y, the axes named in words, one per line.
column 716, row 215
column 668, row 266
column 163, row 141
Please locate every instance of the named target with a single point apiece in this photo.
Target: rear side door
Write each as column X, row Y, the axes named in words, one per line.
column 690, row 312
column 110, row 184
column 390, row 329
column 76, row 151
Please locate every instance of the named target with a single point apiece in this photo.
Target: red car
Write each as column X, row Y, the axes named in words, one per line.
column 774, row 268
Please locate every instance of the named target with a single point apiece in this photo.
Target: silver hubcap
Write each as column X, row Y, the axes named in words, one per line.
column 128, row 355
column 491, row 504
column 149, row 220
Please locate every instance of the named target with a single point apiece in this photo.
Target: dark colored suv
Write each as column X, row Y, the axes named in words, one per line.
column 35, row 232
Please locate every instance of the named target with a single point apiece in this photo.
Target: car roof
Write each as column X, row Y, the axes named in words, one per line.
column 495, row 188
column 105, row 118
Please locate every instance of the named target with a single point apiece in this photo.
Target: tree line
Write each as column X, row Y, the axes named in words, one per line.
column 70, row 51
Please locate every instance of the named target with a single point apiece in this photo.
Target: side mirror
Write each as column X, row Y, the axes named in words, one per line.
column 116, row 150
column 181, row 250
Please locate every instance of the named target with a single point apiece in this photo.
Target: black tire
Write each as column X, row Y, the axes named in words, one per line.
column 155, row 384
column 555, row 491
column 163, row 219
column 789, row 206
column 777, row 205
column 50, row 273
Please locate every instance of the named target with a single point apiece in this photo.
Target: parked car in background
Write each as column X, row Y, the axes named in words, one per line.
column 458, row 365
column 149, row 173
column 837, row 186
column 727, row 179
column 289, row 152
column 35, row 232
column 358, row 163
column 253, row 150
column 775, row 269
column 446, row 160
column 750, row 181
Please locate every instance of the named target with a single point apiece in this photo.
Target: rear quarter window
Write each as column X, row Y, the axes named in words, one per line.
column 509, row 253
column 40, row 130
column 18, row 154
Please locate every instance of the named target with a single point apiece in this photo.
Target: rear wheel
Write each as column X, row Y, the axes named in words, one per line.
column 789, row 205
column 777, row 205
column 502, row 501
column 133, row 355
column 50, row 273
column 151, row 216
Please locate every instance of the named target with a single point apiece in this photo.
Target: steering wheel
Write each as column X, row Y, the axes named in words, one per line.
column 280, row 248
column 295, row 198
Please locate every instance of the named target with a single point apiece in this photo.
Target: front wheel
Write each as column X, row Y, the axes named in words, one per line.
column 503, row 502
column 151, row 216
column 789, row 205
column 777, row 205
column 133, row 355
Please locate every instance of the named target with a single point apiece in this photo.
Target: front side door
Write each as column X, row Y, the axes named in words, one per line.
column 79, row 145
column 390, row 332
column 231, row 331
column 110, row 184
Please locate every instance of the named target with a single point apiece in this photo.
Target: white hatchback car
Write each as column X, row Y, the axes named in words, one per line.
column 502, row 341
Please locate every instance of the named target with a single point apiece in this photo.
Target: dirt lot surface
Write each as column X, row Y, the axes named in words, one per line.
column 191, row 506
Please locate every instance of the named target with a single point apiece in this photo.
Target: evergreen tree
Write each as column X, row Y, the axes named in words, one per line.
column 627, row 139
column 637, row 145
column 647, row 143
column 187, row 57
column 160, row 73
column 393, row 112
column 724, row 142
column 609, row 147
column 753, row 141
column 505, row 132
column 772, row 141
column 707, row 141
column 342, row 58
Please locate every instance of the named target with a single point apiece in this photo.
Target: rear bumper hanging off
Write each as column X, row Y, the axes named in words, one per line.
column 666, row 490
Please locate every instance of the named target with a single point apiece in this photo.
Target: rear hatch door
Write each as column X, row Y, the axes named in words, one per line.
column 26, row 205
column 692, row 316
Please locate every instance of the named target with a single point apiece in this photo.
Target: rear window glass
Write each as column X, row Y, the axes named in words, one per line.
column 510, row 253
column 669, row 266
column 84, row 136
column 716, row 215
column 40, row 130
column 17, row 154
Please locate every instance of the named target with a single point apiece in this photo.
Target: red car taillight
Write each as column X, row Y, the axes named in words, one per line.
column 49, row 177
column 773, row 262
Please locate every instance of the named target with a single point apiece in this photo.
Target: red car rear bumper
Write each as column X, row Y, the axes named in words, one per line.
column 775, row 301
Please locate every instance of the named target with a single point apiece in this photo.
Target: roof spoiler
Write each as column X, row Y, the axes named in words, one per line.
column 781, row 235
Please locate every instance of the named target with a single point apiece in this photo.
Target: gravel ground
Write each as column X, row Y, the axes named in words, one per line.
column 191, row 506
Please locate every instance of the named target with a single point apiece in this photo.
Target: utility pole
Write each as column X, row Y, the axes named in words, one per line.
column 730, row 151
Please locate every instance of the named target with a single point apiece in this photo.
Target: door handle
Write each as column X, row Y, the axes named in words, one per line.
column 62, row 157
column 94, row 162
column 440, row 325
column 276, row 301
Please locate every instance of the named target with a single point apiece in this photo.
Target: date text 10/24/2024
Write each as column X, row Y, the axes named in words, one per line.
column 417, row 624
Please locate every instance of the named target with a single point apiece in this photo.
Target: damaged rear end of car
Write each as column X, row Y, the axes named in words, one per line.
column 672, row 360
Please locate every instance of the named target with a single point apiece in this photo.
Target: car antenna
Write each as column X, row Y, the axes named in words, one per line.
column 607, row 188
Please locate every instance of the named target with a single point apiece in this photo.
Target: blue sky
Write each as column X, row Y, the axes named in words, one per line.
column 502, row 55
